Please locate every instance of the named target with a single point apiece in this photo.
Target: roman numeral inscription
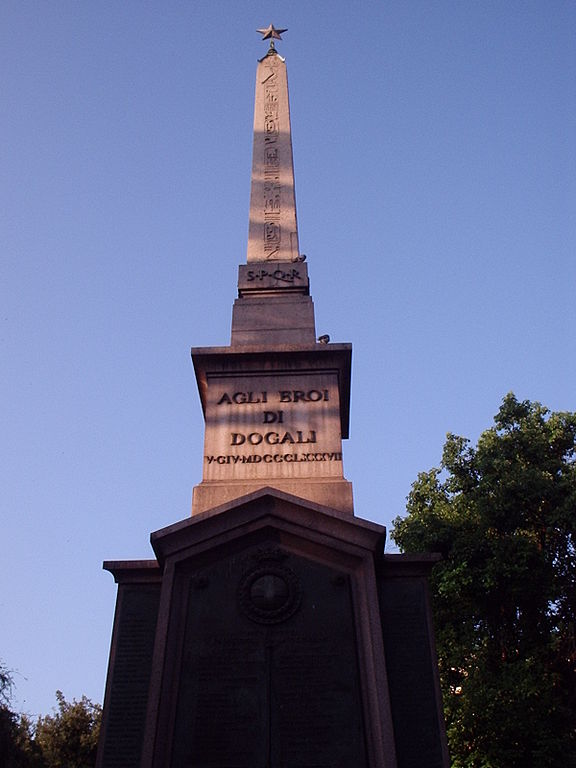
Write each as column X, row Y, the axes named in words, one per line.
column 274, row 430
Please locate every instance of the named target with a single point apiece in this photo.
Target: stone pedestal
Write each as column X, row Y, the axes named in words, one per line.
column 282, row 636
column 273, row 306
column 275, row 416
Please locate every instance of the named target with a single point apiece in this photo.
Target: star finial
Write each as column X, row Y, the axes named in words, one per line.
column 271, row 33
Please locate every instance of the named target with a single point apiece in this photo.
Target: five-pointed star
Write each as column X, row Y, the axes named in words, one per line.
column 271, row 32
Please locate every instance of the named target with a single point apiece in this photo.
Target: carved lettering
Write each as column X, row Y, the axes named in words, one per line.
column 276, row 458
column 273, row 417
column 278, row 274
column 272, row 438
column 243, row 398
column 298, row 395
column 310, row 439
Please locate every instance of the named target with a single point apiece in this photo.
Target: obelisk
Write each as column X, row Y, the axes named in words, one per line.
column 273, row 229
column 273, row 305
column 276, row 401
column 271, row 629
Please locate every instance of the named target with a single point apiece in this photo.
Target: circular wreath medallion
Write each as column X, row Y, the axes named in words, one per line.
column 270, row 594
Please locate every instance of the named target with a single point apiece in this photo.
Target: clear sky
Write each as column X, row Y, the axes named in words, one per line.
column 434, row 150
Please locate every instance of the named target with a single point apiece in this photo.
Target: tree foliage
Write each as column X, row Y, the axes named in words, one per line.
column 68, row 738
column 12, row 736
column 503, row 515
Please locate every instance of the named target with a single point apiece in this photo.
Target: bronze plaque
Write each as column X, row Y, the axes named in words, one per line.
column 269, row 672
column 125, row 710
column 411, row 664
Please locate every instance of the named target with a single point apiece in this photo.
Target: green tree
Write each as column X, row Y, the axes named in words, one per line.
column 69, row 737
column 66, row 739
column 7, row 720
column 16, row 748
column 503, row 515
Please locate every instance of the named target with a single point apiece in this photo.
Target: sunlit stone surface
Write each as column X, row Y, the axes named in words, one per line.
column 273, row 232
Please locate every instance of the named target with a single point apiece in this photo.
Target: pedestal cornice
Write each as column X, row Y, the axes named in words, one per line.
column 286, row 357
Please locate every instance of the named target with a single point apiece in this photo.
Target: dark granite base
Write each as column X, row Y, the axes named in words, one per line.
column 285, row 637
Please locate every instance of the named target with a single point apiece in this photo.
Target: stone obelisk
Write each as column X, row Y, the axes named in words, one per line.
column 273, row 229
column 271, row 630
column 276, row 401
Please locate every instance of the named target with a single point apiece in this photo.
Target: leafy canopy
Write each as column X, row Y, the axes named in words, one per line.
column 66, row 739
column 503, row 515
column 69, row 737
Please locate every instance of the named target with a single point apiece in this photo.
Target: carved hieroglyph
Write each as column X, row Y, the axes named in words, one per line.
column 273, row 229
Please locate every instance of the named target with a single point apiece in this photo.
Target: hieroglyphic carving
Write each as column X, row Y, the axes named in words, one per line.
column 273, row 228
column 272, row 161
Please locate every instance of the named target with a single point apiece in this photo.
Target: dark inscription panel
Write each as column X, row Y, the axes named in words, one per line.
column 411, row 670
column 128, row 697
column 219, row 718
column 282, row 694
column 313, row 690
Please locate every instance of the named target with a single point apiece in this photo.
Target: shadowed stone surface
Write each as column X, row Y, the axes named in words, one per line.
column 285, row 637
column 411, row 660
column 268, row 677
column 124, row 715
column 273, row 231
column 270, row 644
column 286, row 320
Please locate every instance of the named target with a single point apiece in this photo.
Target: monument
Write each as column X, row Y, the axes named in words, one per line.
column 271, row 629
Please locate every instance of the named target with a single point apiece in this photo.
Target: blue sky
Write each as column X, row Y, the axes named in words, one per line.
column 434, row 151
